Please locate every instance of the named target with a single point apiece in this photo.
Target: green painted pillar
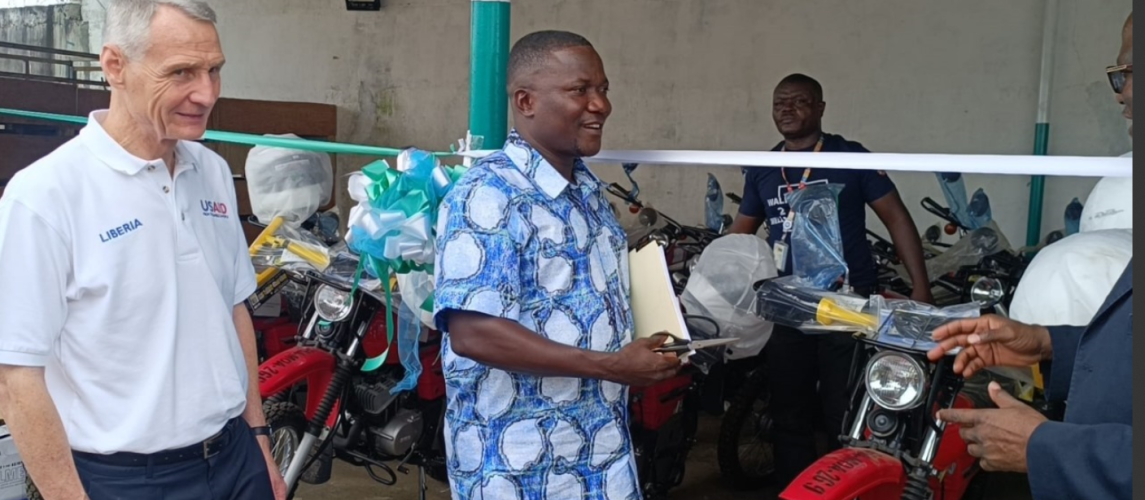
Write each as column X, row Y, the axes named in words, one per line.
column 488, row 65
column 1042, row 124
column 1038, row 186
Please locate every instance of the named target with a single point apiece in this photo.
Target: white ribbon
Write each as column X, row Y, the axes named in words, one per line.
column 1070, row 166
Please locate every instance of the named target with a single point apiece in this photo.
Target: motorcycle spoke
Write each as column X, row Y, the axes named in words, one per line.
column 285, row 446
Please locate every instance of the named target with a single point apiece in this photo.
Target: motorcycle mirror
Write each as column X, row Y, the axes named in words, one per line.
column 988, row 292
column 648, row 217
column 933, row 234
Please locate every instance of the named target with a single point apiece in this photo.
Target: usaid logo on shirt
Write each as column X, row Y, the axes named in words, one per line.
column 214, row 209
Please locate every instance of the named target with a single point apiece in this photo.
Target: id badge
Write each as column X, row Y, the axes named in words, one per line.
column 781, row 256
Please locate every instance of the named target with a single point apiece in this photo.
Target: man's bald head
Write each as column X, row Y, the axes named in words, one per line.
column 1127, row 40
column 532, row 52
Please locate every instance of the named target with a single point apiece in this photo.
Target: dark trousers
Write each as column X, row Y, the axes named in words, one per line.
column 237, row 472
column 808, row 374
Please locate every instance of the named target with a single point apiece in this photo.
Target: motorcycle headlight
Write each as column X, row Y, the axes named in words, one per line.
column 896, row 381
column 332, row 304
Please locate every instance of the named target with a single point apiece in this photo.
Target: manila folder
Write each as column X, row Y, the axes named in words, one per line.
column 655, row 307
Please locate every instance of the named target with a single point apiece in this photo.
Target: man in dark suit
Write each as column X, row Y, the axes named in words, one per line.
column 1090, row 453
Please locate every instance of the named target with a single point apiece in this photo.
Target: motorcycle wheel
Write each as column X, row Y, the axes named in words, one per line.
column 746, row 451
column 288, row 425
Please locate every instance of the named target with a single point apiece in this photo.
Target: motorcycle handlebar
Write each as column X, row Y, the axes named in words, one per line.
column 618, row 191
column 942, row 212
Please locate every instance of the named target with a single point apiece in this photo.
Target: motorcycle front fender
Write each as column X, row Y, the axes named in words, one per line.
column 847, row 474
column 292, row 366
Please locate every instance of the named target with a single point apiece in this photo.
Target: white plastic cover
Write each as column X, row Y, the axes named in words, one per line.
column 1069, row 280
column 287, row 182
column 1109, row 206
column 721, row 288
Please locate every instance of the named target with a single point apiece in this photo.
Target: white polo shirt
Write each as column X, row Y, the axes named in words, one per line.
column 121, row 282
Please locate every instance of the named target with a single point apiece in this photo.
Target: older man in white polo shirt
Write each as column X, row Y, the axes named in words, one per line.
column 126, row 352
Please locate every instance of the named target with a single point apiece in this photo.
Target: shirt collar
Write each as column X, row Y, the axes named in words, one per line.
column 112, row 154
column 530, row 162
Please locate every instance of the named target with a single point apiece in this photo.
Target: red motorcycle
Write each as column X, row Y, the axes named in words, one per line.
column 895, row 448
column 664, row 417
column 331, row 395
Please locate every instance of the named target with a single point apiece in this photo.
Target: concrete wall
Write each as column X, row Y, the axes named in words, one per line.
column 58, row 26
column 900, row 76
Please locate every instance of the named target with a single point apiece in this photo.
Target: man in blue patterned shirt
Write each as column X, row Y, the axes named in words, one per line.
column 532, row 294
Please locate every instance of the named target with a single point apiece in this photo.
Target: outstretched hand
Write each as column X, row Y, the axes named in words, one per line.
column 991, row 341
column 997, row 437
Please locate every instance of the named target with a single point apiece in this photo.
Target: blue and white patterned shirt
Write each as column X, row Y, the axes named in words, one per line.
column 517, row 241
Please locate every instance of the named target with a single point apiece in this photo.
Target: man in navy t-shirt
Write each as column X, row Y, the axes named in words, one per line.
column 798, row 364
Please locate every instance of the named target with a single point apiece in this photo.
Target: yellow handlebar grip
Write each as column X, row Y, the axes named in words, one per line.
column 265, row 275
column 265, row 235
column 315, row 257
column 830, row 313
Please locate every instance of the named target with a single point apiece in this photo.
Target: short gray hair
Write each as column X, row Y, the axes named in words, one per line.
column 128, row 22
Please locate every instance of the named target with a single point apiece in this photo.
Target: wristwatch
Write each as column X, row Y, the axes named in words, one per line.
column 261, row 430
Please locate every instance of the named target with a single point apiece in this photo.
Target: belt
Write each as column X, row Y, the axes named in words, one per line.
column 203, row 450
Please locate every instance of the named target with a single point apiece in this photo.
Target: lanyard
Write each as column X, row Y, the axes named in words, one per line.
column 806, row 172
column 789, row 223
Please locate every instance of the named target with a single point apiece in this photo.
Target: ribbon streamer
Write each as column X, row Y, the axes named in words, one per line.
column 1066, row 166
column 240, row 138
column 391, row 228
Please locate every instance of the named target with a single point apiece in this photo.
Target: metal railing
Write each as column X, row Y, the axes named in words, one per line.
column 62, row 66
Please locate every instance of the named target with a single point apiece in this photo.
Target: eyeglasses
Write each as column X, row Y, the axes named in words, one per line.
column 1117, row 76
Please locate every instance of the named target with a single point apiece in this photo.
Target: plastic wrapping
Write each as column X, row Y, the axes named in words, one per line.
column 911, row 325
column 973, row 215
column 289, row 183
column 284, row 246
column 714, row 205
column 720, row 287
column 954, row 190
column 979, row 212
column 969, row 250
column 1073, row 213
column 816, row 241
column 904, row 323
column 792, row 302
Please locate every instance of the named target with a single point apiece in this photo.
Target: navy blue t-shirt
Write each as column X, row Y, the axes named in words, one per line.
column 765, row 197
